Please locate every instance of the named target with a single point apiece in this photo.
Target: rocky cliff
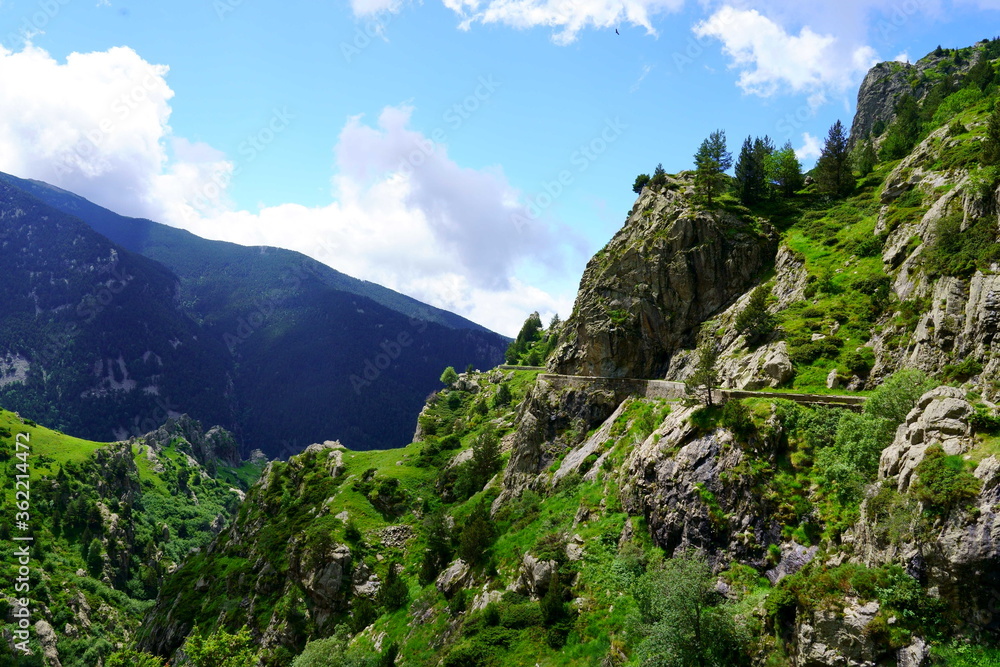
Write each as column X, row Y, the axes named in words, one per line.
column 672, row 266
column 548, row 522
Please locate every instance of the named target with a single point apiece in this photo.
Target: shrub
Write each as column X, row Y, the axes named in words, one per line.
column 640, row 182
column 736, row 417
column 942, row 482
column 130, row 658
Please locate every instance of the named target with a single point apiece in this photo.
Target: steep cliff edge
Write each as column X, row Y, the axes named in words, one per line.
column 671, row 266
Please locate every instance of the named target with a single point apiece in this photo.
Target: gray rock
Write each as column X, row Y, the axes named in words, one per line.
column 325, row 583
column 939, row 418
column 534, row 577
column 643, row 297
column 793, row 558
column 47, row 639
column 830, row 637
column 833, row 379
column 778, row 365
column 453, row 578
column 914, row 655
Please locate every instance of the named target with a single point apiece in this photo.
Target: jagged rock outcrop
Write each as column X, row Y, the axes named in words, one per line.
column 940, row 418
column 957, row 555
column 962, row 314
column 683, row 481
column 550, row 421
column 670, row 267
column 827, row 637
column 217, row 445
column 886, row 82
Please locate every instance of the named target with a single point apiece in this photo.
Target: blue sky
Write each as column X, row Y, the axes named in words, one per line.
column 471, row 153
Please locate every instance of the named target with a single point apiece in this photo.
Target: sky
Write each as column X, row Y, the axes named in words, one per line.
column 473, row 154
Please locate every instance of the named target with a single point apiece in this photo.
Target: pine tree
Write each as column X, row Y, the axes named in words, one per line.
column 640, row 182
column 659, row 176
column 785, row 170
column 751, row 170
column 711, row 161
column 438, row 551
column 477, row 535
column 706, row 374
column 833, row 169
column 754, row 321
column 991, row 147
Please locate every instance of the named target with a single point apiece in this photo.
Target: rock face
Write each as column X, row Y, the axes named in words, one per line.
column 957, row 555
column 549, row 422
column 670, row 267
column 832, row 637
column 960, row 316
column 678, row 480
column 216, row 445
column 886, row 82
column 940, row 418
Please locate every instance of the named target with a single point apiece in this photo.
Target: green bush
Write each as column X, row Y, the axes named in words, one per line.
column 130, row 658
column 943, row 484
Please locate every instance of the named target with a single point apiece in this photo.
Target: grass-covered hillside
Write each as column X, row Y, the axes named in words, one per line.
column 572, row 571
column 108, row 522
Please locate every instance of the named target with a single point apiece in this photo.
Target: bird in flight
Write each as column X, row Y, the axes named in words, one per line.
column 616, row 31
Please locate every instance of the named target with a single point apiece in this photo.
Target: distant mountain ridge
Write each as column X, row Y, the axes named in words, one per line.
column 273, row 345
column 190, row 256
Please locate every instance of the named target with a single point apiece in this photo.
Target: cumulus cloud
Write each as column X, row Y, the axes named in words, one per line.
column 408, row 217
column 96, row 124
column 566, row 17
column 811, row 147
column 771, row 59
column 402, row 213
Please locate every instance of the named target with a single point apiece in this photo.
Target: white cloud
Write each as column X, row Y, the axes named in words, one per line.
column 408, row 217
column 811, row 147
column 402, row 212
column 566, row 17
column 770, row 59
column 903, row 57
column 96, row 125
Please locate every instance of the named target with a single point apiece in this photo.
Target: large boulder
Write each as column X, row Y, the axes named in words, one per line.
column 940, row 418
column 826, row 637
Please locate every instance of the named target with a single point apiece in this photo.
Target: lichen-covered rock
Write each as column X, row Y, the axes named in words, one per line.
column 454, row 577
column 826, row 637
column 670, row 267
column 940, row 418
column 679, row 480
column 534, row 576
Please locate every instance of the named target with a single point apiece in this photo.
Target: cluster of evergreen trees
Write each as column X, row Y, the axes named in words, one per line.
column 534, row 343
